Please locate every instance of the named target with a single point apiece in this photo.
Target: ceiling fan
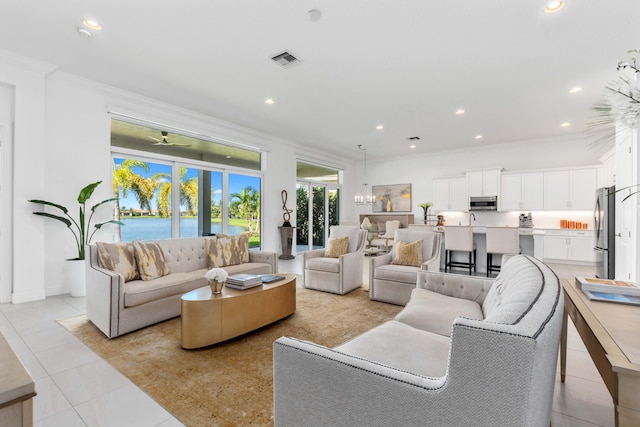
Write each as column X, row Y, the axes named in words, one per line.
column 165, row 141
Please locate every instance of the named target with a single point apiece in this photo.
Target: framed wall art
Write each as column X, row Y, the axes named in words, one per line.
column 392, row 198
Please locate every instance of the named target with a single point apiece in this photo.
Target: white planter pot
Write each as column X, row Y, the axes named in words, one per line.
column 75, row 271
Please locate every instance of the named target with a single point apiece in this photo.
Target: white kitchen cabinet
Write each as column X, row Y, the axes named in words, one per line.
column 483, row 183
column 566, row 245
column 570, row 189
column 521, row 191
column 450, row 194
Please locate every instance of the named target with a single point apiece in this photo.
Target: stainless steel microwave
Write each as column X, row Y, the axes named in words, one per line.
column 483, row 203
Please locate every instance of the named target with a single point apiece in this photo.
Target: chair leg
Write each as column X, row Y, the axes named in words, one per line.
column 446, row 260
column 488, row 264
column 470, row 262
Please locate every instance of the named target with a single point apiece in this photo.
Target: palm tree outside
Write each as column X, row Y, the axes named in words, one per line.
column 188, row 193
column 125, row 179
column 246, row 205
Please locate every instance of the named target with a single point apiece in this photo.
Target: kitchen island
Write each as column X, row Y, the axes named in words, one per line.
column 549, row 245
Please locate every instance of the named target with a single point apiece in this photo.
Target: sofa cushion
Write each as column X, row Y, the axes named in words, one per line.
column 330, row 265
column 119, row 257
column 337, row 246
column 228, row 250
column 434, row 312
column 138, row 292
column 150, row 260
column 408, row 253
column 514, row 291
column 402, row 347
column 397, row 273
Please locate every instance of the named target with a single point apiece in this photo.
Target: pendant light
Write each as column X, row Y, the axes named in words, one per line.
column 365, row 197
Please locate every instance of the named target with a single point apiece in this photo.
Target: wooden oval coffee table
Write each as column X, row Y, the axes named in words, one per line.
column 209, row 319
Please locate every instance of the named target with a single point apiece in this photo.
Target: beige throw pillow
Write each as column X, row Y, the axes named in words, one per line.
column 228, row 250
column 119, row 257
column 242, row 245
column 151, row 261
column 408, row 253
column 337, row 246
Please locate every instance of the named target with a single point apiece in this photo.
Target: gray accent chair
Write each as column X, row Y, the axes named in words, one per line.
column 464, row 352
column 393, row 283
column 336, row 275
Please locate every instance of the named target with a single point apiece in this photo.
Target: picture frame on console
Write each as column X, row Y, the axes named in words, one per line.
column 392, row 198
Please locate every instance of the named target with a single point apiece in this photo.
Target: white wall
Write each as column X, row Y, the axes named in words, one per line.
column 27, row 78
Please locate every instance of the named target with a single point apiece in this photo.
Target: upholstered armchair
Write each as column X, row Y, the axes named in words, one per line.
column 392, row 278
column 338, row 272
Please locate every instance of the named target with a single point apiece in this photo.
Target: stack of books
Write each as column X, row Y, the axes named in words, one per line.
column 619, row 291
column 243, row 281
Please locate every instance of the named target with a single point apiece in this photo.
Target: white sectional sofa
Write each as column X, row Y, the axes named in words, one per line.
column 117, row 306
column 465, row 351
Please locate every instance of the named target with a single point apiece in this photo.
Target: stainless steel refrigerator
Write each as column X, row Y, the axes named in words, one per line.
column 605, row 229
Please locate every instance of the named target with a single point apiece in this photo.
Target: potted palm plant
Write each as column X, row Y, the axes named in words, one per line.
column 80, row 229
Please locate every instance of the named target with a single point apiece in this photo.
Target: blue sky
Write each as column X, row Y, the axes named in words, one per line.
column 236, row 182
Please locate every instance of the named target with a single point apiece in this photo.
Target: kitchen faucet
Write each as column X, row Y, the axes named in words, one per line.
column 471, row 214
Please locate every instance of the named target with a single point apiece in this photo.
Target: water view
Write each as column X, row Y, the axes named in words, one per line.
column 153, row 228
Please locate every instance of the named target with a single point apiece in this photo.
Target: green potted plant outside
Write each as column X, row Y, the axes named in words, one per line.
column 80, row 227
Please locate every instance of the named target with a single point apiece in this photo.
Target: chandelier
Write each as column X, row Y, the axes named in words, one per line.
column 365, row 197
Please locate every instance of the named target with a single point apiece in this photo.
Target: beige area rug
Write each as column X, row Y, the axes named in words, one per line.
column 231, row 383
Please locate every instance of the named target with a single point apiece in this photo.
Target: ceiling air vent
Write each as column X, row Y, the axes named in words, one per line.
column 286, row 59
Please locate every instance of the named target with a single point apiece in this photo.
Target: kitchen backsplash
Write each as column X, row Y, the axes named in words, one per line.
column 541, row 219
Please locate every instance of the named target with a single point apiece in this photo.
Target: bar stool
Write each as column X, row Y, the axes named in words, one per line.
column 459, row 239
column 501, row 240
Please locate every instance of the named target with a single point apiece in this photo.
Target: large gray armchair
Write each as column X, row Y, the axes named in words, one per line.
column 393, row 283
column 337, row 275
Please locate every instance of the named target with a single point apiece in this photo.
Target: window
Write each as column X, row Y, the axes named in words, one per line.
column 141, row 187
column 244, row 207
column 152, row 207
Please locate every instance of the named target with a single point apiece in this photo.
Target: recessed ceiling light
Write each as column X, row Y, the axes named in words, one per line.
column 478, row 136
column 460, row 111
column 575, row 90
column 269, row 101
column 554, row 6
column 379, row 127
column 565, row 125
column 412, row 146
column 91, row 24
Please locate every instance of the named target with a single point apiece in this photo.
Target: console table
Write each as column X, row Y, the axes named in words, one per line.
column 611, row 334
column 17, row 389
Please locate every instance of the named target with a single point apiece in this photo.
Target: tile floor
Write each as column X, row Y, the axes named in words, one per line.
column 77, row 388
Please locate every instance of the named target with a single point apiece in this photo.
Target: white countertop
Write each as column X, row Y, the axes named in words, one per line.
column 530, row 231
